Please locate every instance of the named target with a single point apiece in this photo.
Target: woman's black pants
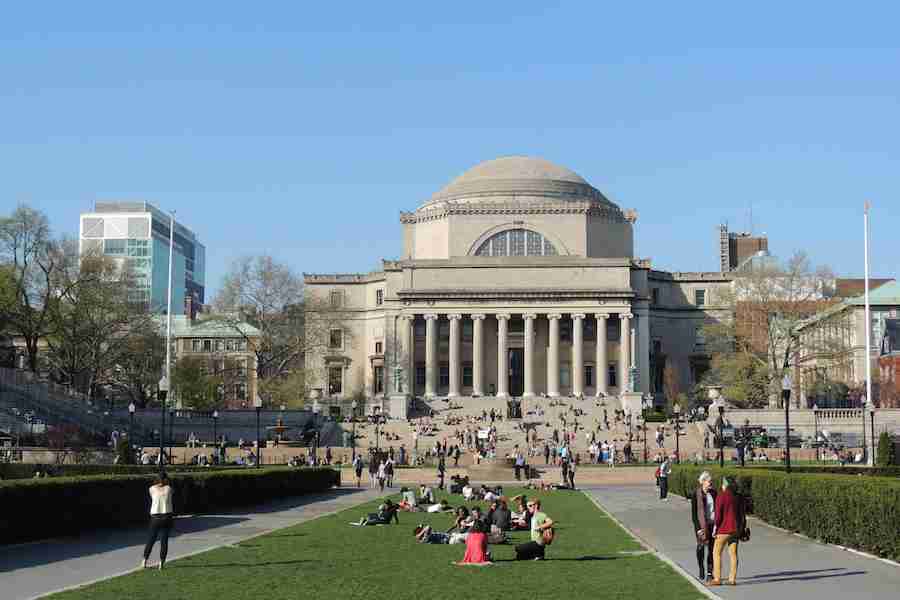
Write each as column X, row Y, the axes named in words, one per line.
column 529, row 551
column 663, row 487
column 706, row 547
column 160, row 527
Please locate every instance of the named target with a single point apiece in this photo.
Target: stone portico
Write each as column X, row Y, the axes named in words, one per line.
column 518, row 279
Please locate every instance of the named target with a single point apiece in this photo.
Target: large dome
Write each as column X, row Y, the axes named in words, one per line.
column 517, row 179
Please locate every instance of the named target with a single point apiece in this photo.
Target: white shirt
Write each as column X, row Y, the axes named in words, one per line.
column 435, row 508
column 160, row 500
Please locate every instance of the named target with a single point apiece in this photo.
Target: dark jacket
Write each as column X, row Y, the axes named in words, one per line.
column 698, row 509
column 501, row 517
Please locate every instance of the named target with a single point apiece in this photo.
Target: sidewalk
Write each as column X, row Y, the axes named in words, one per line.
column 773, row 564
column 32, row 570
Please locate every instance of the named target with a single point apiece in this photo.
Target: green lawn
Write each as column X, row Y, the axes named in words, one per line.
column 327, row 558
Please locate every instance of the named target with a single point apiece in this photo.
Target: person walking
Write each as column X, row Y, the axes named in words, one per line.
column 519, row 462
column 382, row 475
column 358, row 468
column 441, row 469
column 730, row 524
column 161, row 517
column 664, row 469
column 572, row 474
column 373, row 470
column 546, row 453
column 703, row 515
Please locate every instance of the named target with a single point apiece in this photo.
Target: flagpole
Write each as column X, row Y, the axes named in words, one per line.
column 869, row 400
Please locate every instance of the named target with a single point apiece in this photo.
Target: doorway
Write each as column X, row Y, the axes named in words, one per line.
column 516, row 371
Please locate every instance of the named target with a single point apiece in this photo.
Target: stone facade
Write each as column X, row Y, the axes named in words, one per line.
column 506, row 277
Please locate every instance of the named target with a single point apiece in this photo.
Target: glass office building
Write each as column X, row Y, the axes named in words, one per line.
column 138, row 233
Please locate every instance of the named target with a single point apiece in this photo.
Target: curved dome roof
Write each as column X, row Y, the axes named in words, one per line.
column 518, row 178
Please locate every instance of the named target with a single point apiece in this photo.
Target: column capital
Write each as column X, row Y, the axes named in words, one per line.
column 554, row 316
column 578, row 316
column 430, row 317
column 504, row 316
column 408, row 317
column 477, row 316
column 528, row 316
column 454, row 317
column 626, row 315
column 603, row 316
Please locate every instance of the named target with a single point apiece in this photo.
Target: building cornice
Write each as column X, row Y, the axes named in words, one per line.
column 595, row 210
column 324, row 278
column 518, row 294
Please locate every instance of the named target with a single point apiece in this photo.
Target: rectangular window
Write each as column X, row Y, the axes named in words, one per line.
column 420, row 375
column 654, row 296
column 699, row 339
column 535, row 244
column 207, row 345
column 565, row 330
column 564, row 380
column 336, row 297
column 220, row 345
column 242, row 368
column 467, row 328
column 612, row 330
column 517, row 242
column 379, row 347
column 379, row 380
column 114, row 247
column 196, row 345
column 612, row 375
column 444, row 375
column 240, row 391
column 590, row 330
column 467, row 375
column 335, row 381
column 241, row 345
column 700, row 297
column 229, row 345
column 336, row 339
column 379, row 297
column 588, row 375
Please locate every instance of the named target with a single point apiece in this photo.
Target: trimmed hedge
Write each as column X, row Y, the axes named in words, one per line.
column 888, row 471
column 859, row 512
column 58, row 506
column 27, row 470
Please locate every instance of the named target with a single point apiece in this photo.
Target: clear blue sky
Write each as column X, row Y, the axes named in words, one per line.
column 303, row 129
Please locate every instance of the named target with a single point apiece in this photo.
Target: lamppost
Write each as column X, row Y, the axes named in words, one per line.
column 862, row 408
column 816, row 429
column 786, row 385
column 677, row 410
column 644, row 406
column 353, row 406
column 171, row 434
column 215, row 418
column 316, row 409
column 872, row 418
column 131, row 409
column 162, row 393
column 721, row 426
column 257, row 402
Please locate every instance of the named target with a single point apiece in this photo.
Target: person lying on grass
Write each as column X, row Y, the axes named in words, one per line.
column 424, row 534
column 476, row 547
column 386, row 512
column 442, row 506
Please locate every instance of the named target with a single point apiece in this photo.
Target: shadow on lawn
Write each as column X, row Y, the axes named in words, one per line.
column 577, row 559
column 229, row 565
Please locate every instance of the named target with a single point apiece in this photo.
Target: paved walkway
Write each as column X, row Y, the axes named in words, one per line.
column 33, row 570
column 773, row 564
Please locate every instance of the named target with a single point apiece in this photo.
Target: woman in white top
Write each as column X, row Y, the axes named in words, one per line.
column 161, row 517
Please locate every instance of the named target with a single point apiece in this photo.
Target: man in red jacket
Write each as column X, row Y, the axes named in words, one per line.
column 730, row 523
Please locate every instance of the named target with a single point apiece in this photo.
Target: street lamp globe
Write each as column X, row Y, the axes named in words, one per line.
column 215, row 414
column 131, row 408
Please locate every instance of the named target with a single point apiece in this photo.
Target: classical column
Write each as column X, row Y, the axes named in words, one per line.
column 431, row 366
column 577, row 356
column 477, row 359
column 502, row 356
column 600, row 360
column 553, row 356
column 409, row 345
column 454, row 355
column 528, row 392
column 624, row 351
column 642, row 345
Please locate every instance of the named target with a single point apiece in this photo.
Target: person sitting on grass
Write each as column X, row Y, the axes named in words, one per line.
column 386, row 512
column 476, row 547
column 500, row 515
column 426, row 495
column 520, row 519
column 424, row 534
column 541, row 534
column 409, row 502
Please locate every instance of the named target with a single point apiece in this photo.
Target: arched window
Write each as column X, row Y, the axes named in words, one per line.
column 516, row 242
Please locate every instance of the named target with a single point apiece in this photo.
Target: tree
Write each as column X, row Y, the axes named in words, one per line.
column 671, row 385
column 269, row 296
column 34, row 260
column 885, row 453
column 139, row 365
column 194, row 385
column 760, row 341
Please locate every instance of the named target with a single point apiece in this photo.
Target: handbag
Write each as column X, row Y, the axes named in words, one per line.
column 745, row 534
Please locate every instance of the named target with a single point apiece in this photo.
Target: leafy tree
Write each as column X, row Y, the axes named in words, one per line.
column 139, row 365
column 194, row 385
column 760, row 342
column 33, row 259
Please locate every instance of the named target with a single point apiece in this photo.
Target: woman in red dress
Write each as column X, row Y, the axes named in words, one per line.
column 476, row 547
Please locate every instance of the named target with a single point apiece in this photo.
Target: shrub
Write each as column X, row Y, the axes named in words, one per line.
column 885, row 455
column 860, row 512
column 27, row 470
column 70, row 505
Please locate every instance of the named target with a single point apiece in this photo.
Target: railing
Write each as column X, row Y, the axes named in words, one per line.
column 840, row 414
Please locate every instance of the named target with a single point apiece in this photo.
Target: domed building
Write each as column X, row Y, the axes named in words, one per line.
column 517, row 279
